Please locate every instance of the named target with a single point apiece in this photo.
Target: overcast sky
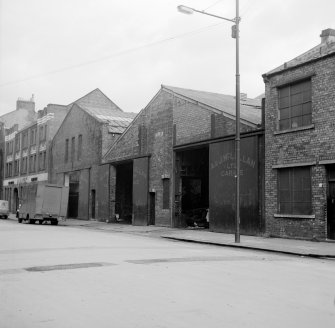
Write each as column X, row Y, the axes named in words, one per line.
column 59, row 50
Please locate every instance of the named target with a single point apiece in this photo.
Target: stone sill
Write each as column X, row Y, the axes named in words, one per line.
column 301, row 128
column 294, row 216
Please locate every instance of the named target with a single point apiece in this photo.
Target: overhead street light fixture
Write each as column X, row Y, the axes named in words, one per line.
column 236, row 36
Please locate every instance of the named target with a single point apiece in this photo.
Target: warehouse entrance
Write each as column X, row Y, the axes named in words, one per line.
column 124, row 193
column 192, row 188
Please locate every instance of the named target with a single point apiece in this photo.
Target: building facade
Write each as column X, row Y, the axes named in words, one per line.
column 92, row 124
column 23, row 115
column 26, row 155
column 174, row 165
column 299, row 144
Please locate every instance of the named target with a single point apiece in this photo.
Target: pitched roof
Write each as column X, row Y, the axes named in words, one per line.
column 318, row 52
column 250, row 109
column 117, row 120
column 97, row 99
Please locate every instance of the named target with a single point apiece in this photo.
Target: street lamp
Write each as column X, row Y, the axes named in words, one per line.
column 235, row 35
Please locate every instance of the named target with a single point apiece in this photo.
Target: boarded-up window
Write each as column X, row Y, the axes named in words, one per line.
column 294, row 191
column 80, row 145
column 66, row 159
column 73, row 148
column 166, row 193
column 295, row 105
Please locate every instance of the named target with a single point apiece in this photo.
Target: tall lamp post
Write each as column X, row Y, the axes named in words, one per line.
column 235, row 35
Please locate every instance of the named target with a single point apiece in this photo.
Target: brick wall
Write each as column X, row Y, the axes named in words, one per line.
column 310, row 145
column 76, row 123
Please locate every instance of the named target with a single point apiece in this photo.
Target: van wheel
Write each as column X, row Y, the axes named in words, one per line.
column 40, row 221
column 5, row 217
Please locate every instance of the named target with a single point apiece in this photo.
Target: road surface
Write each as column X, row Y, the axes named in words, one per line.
column 58, row 276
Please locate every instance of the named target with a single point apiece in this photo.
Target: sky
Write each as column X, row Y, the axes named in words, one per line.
column 60, row 50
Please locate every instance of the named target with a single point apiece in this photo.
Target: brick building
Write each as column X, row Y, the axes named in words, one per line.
column 176, row 160
column 23, row 115
column 300, row 148
column 92, row 124
column 26, row 153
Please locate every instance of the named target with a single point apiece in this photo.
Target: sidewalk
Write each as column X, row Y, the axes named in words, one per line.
column 278, row 245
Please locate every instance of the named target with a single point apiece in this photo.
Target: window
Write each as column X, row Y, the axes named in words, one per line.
column 66, row 150
column 17, row 142
column 33, row 137
column 42, row 160
column 32, row 163
column 16, row 167
column 9, row 147
column 42, row 130
column 25, row 140
column 294, row 191
column 166, row 193
column 24, row 165
column 295, row 105
column 73, row 148
column 80, row 145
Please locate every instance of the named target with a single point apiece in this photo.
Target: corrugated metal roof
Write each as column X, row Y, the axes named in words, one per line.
column 250, row 109
column 317, row 52
column 117, row 121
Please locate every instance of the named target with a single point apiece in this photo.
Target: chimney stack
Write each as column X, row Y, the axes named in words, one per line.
column 328, row 36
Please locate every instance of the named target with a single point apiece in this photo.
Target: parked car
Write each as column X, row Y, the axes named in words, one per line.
column 4, row 210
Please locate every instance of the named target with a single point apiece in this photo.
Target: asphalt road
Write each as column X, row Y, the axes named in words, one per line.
column 57, row 276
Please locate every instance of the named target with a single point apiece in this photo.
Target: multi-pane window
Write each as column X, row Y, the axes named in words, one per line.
column 9, row 147
column 25, row 140
column 73, row 148
column 66, row 158
column 17, row 142
column 24, row 165
column 33, row 137
column 16, row 167
column 294, row 190
column 42, row 132
column 32, row 163
column 80, row 145
column 10, row 169
column 295, row 105
column 42, row 161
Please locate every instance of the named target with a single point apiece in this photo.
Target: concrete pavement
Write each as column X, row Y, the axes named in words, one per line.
column 316, row 249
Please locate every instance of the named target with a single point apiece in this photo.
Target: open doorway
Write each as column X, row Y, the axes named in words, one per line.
column 93, row 203
column 193, row 185
column 124, row 193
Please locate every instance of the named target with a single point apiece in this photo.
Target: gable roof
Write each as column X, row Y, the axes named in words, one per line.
column 324, row 49
column 96, row 99
column 250, row 109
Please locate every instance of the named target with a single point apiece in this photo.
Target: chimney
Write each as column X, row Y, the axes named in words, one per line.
column 328, row 35
column 243, row 96
column 25, row 104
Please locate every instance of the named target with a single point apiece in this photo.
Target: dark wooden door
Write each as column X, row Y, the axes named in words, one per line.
column 73, row 200
column 93, row 203
column 152, row 208
column 331, row 210
column 140, row 191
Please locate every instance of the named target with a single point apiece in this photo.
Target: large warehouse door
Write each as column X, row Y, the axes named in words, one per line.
column 140, row 191
column 222, row 193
